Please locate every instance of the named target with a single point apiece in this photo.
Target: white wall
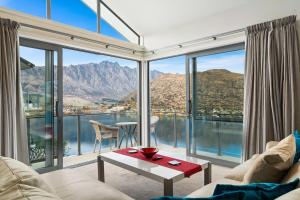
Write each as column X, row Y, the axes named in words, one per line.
column 255, row 11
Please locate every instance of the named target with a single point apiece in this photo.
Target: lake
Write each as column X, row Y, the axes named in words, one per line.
column 220, row 137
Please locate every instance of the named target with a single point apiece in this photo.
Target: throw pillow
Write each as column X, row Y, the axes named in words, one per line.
column 239, row 171
column 271, row 165
column 297, row 143
column 26, row 192
column 227, row 196
column 13, row 172
column 258, row 191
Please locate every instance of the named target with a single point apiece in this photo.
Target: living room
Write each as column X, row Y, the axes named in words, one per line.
column 140, row 99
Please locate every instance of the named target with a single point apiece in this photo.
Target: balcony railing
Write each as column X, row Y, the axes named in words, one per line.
column 218, row 134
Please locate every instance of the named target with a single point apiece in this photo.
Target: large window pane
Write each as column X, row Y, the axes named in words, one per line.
column 218, row 88
column 108, row 30
column 33, row 7
column 167, row 97
column 74, row 13
column 39, row 93
column 99, row 88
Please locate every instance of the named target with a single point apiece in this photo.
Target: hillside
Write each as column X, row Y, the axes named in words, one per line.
column 218, row 91
column 168, row 92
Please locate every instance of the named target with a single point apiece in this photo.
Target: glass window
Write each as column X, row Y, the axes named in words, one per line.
column 33, row 7
column 39, row 95
column 100, row 88
column 111, row 25
column 167, row 98
column 108, row 30
column 218, row 96
column 75, row 13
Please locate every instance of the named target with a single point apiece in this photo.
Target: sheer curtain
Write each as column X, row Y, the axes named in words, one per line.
column 13, row 135
column 272, row 75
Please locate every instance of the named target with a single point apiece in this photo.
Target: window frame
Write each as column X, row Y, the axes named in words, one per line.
column 191, row 65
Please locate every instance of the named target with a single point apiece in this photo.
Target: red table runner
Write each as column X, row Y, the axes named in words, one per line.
column 187, row 168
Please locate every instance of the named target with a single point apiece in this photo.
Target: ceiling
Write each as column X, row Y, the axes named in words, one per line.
column 170, row 22
column 152, row 16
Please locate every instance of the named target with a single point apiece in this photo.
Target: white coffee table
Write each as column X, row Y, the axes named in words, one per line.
column 165, row 175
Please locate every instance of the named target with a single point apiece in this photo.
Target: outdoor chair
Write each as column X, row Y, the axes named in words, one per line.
column 153, row 123
column 104, row 132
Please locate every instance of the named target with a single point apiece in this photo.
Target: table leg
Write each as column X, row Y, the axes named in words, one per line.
column 122, row 137
column 100, row 169
column 168, row 187
column 134, row 134
column 126, row 132
column 130, row 135
column 207, row 174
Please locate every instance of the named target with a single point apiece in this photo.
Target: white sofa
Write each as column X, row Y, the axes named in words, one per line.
column 18, row 182
column 236, row 175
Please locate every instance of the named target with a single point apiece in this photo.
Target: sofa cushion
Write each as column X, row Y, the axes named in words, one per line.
column 239, row 171
column 26, row 192
column 263, row 191
column 208, row 190
column 297, row 143
column 292, row 195
column 71, row 185
column 271, row 165
column 293, row 173
column 13, row 172
column 227, row 196
column 271, row 144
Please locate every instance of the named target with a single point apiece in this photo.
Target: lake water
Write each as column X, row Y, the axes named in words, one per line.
column 217, row 137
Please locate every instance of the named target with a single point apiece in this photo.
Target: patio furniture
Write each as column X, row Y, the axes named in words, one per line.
column 153, row 123
column 104, row 132
column 160, row 173
column 127, row 130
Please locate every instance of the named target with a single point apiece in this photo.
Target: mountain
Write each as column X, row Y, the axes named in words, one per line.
column 217, row 91
column 93, row 81
column 167, row 91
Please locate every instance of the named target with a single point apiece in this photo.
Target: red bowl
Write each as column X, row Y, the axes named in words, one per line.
column 149, row 152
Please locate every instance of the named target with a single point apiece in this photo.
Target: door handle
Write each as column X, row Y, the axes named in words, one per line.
column 190, row 107
column 56, row 108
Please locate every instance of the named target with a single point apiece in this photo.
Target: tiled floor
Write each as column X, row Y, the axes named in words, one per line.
column 141, row 188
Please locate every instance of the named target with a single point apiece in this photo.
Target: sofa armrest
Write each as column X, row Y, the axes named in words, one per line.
column 271, row 144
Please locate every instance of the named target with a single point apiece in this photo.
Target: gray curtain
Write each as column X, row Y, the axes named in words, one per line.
column 272, row 75
column 13, row 136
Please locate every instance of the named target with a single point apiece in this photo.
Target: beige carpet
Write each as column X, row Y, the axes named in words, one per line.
column 141, row 188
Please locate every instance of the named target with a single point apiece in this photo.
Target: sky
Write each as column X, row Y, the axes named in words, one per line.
column 71, row 12
column 72, row 57
column 232, row 61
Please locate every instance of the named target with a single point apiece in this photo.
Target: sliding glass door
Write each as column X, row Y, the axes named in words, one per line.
column 215, row 103
column 41, row 78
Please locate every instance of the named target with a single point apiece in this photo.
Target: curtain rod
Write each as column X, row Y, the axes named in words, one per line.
column 72, row 37
column 191, row 42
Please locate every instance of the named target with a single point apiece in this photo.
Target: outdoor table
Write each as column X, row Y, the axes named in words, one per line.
column 127, row 129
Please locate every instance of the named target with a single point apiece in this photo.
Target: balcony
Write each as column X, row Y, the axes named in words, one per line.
column 217, row 136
